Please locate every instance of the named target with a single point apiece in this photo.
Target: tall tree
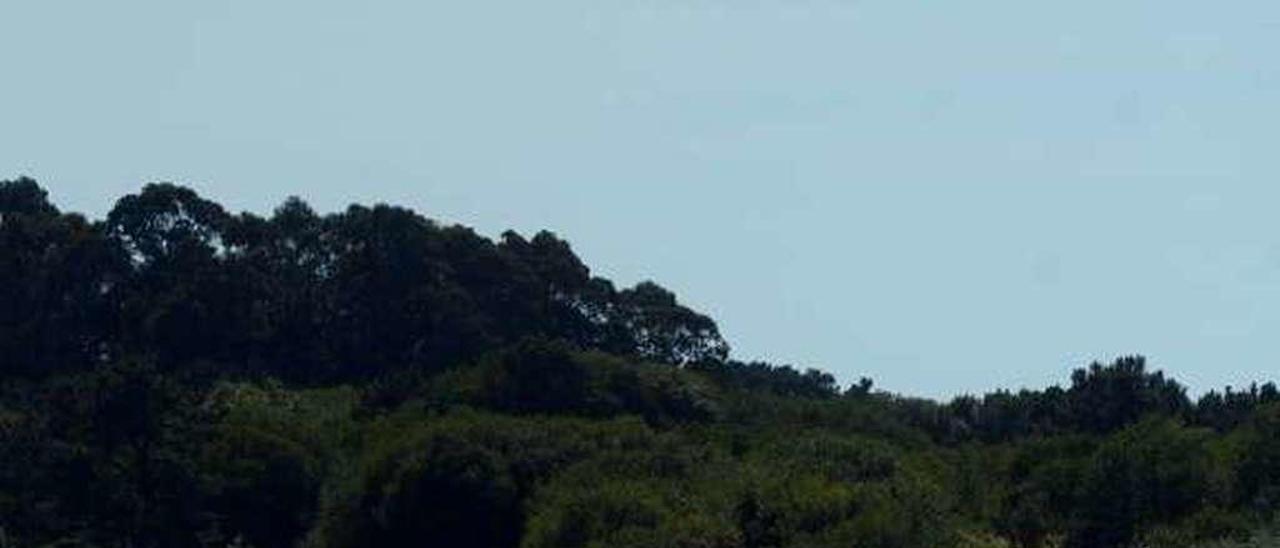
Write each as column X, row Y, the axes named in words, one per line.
column 57, row 276
column 179, row 303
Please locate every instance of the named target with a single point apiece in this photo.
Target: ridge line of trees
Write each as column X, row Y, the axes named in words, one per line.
column 302, row 296
column 177, row 375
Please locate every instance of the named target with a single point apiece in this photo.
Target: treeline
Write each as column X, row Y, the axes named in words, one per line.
column 1100, row 400
column 301, row 296
column 177, row 375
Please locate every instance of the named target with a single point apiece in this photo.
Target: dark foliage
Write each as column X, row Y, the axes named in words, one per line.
column 179, row 375
column 301, row 296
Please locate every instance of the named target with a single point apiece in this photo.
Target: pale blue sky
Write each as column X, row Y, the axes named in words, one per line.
column 946, row 196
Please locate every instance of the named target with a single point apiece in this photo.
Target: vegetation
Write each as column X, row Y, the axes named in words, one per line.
column 177, row 375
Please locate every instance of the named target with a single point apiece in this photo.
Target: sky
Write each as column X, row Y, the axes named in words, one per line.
column 947, row 197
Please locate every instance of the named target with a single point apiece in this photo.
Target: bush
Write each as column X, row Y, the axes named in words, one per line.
column 1155, row 472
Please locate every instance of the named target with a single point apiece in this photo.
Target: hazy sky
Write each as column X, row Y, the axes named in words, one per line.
column 945, row 196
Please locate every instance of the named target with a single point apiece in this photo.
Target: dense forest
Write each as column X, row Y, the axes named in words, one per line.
column 179, row 375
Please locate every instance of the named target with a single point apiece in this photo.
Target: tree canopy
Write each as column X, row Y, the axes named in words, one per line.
column 179, row 375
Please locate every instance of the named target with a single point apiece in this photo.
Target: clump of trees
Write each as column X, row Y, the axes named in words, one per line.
column 178, row 375
column 302, row 296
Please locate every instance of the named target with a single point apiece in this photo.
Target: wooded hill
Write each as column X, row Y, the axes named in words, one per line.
column 179, row 375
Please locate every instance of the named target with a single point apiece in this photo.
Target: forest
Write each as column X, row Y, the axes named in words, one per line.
column 178, row 375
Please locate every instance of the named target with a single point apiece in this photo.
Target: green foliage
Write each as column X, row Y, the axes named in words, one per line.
column 1258, row 484
column 177, row 375
column 1104, row 399
column 109, row 457
column 551, row 377
column 269, row 455
column 777, row 380
column 458, row 479
column 814, row 493
column 1154, row 472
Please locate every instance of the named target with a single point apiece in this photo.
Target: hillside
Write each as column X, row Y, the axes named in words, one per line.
column 179, row 375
